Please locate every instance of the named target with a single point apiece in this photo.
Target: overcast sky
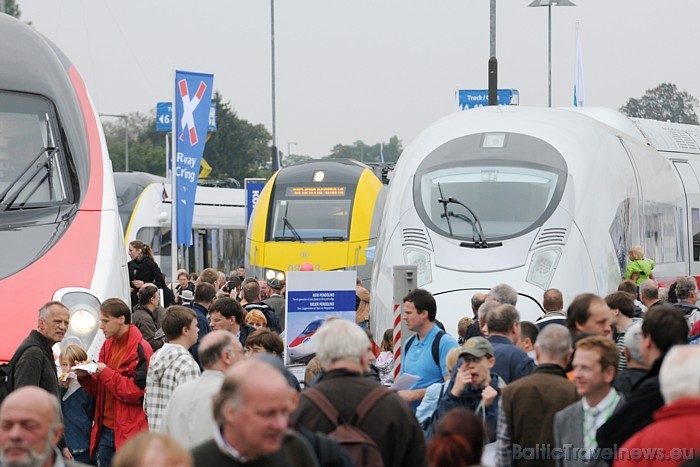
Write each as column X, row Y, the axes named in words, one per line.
column 367, row 69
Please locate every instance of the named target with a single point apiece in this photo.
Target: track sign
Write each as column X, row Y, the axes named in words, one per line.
column 470, row 98
column 164, row 115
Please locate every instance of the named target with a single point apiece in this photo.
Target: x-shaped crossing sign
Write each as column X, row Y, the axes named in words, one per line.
column 188, row 108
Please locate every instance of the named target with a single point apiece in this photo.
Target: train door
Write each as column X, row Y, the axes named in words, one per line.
column 692, row 196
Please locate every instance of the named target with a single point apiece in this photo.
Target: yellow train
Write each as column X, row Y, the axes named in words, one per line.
column 323, row 213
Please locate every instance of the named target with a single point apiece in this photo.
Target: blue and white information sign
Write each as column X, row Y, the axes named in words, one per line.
column 312, row 297
column 470, row 98
column 253, row 187
column 164, row 115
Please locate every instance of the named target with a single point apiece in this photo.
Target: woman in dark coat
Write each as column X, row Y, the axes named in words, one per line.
column 143, row 269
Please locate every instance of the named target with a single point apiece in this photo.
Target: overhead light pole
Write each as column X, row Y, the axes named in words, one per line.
column 289, row 147
column 126, row 137
column 493, row 63
column 548, row 4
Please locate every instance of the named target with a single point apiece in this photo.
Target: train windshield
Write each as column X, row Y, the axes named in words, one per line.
column 503, row 192
column 311, row 214
column 31, row 171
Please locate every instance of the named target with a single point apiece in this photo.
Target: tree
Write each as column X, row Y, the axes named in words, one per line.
column 238, row 149
column 146, row 145
column 12, row 9
column 368, row 153
column 666, row 103
column 291, row 159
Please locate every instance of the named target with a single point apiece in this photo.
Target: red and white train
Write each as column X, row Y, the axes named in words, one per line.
column 60, row 231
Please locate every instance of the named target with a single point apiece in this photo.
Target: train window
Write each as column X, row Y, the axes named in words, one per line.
column 505, row 200
column 695, row 212
column 311, row 219
column 31, row 168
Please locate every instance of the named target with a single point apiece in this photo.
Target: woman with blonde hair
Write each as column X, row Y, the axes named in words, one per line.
column 256, row 318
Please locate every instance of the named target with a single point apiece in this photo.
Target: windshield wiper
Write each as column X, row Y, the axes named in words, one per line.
column 333, row 238
column 444, row 207
column 286, row 224
column 477, row 229
column 37, row 164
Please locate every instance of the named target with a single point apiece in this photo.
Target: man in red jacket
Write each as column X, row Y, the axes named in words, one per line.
column 673, row 437
column 118, row 383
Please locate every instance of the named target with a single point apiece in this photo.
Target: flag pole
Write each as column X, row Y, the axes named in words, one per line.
column 173, row 189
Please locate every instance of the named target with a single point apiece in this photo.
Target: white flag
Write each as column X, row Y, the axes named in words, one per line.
column 579, row 91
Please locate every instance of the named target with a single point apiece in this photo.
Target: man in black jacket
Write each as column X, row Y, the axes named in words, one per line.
column 662, row 328
column 34, row 362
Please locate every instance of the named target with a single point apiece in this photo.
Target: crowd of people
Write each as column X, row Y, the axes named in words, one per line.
column 605, row 381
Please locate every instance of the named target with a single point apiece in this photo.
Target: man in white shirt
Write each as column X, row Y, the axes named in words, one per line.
column 188, row 416
column 595, row 366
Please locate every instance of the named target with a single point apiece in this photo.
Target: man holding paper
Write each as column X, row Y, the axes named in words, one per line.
column 118, row 383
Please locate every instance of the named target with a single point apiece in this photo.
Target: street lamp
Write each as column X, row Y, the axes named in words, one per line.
column 126, row 137
column 548, row 4
column 289, row 148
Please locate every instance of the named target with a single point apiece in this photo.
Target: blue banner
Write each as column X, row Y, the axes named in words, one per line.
column 192, row 106
column 253, row 188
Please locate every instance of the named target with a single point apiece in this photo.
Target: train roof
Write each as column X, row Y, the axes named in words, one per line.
column 337, row 171
column 670, row 137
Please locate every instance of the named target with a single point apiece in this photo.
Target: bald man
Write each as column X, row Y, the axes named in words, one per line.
column 30, row 429
column 252, row 412
column 188, row 417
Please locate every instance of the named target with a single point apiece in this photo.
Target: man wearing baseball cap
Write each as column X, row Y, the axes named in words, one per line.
column 474, row 387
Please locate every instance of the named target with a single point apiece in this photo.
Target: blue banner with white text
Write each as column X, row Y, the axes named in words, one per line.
column 192, row 106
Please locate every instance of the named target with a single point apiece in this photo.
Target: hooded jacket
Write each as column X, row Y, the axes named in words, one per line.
column 170, row 367
column 642, row 267
column 126, row 385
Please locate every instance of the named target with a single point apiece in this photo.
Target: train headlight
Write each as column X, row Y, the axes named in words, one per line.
column 272, row 274
column 84, row 309
column 83, row 322
column 542, row 266
column 421, row 260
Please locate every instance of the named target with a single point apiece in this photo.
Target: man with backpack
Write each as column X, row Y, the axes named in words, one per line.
column 371, row 422
column 424, row 353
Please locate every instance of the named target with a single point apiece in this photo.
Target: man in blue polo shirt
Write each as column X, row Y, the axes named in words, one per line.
column 423, row 357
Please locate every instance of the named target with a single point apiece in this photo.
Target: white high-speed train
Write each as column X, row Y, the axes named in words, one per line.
column 537, row 198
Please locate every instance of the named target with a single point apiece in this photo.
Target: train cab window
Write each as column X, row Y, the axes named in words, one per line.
column 311, row 219
column 32, row 173
column 466, row 188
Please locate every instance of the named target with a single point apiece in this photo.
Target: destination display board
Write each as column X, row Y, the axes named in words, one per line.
column 315, row 191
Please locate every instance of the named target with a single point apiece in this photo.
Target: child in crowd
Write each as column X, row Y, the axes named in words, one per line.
column 639, row 268
column 385, row 360
column 77, row 406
